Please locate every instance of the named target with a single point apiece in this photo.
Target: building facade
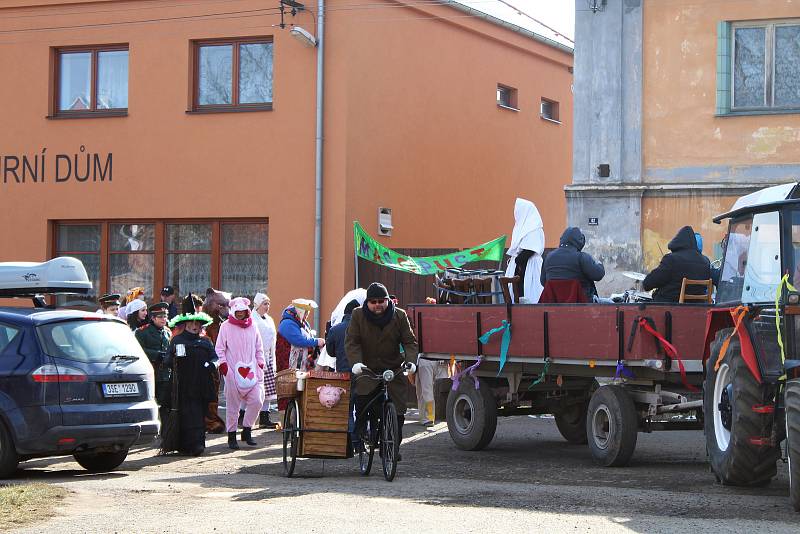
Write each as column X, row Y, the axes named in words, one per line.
column 174, row 144
column 681, row 106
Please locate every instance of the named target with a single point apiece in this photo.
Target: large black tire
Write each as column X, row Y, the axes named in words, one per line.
column 792, row 403
column 729, row 395
column 390, row 441
column 8, row 453
column 100, row 462
column 572, row 423
column 612, row 426
column 291, row 437
column 471, row 415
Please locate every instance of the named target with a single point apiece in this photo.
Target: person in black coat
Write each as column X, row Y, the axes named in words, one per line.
column 685, row 261
column 334, row 342
column 569, row 262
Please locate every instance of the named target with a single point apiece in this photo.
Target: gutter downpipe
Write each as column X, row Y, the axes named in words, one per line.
column 318, row 155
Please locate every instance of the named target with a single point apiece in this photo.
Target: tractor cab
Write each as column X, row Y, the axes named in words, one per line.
column 761, row 246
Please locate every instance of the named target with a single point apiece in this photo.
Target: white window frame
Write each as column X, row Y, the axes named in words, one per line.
column 769, row 59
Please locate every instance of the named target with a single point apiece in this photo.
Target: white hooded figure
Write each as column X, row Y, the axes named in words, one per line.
column 528, row 235
column 359, row 294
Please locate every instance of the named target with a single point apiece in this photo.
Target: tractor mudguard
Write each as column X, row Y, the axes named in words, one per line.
column 720, row 318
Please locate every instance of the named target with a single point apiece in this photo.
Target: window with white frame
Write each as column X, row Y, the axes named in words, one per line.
column 549, row 110
column 506, row 96
column 765, row 68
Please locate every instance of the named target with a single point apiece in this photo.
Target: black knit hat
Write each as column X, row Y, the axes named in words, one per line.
column 377, row 290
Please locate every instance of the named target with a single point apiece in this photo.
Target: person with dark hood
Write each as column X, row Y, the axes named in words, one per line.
column 569, row 262
column 154, row 339
column 192, row 359
column 684, row 261
column 376, row 333
column 334, row 342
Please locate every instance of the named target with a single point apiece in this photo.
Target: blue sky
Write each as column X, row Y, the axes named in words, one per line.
column 558, row 14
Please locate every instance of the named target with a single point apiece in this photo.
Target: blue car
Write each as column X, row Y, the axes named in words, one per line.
column 72, row 383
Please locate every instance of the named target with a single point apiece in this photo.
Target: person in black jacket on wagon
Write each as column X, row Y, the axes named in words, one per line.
column 684, row 261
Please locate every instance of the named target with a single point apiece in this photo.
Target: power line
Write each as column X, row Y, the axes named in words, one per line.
column 262, row 11
column 524, row 14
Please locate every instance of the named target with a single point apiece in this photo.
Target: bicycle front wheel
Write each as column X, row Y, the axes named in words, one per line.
column 390, row 440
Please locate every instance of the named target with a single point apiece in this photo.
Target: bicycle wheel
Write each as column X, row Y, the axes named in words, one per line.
column 291, row 437
column 390, row 446
column 365, row 456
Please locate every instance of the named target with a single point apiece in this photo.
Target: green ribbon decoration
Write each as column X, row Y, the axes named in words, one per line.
column 541, row 376
column 504, row 327
column 790, row 287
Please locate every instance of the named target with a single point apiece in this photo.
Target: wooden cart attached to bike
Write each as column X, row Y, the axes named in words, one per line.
column 311, row 430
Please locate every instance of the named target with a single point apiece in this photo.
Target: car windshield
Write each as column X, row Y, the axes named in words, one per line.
column 88, row 341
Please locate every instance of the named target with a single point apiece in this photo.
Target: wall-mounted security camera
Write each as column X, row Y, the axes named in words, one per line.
column 385, row 221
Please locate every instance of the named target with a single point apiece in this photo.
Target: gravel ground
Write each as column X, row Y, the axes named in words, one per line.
column 528, row 479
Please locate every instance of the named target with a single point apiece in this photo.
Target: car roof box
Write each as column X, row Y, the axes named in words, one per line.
column 59, row 275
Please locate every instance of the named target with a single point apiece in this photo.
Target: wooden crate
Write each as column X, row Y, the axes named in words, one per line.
column 316, row 416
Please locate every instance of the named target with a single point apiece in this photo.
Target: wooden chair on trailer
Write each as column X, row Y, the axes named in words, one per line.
column 705, row 297
column 516, row 286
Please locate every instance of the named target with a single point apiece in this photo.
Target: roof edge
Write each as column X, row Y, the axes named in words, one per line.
column 510, row 26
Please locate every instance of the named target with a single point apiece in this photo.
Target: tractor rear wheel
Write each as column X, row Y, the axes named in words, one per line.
column 734, row 431
column 792, row 404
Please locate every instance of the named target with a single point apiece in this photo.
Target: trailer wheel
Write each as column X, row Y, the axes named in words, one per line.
column 572, row 423
column 8, row 454
column 792, row 404
column 729, row 395
column 612, row 426
column 471, row 415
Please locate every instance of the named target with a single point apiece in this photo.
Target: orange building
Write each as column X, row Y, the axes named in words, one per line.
column 176, row 144
column 682, row 106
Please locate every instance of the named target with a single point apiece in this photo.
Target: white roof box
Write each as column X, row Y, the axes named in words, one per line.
column 59, row 275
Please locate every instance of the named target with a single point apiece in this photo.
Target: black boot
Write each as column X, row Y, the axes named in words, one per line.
column 246, row 437
column 232, row 441
column 264, row 422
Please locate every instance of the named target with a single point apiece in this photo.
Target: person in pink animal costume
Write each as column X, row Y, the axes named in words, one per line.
column 241, row 362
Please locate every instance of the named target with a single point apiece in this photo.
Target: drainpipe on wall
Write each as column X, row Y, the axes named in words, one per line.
column 319, row 144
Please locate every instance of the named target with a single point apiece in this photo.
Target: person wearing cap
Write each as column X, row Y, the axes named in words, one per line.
column 377, row 332
column 168, row 296
column 266, row 327
column 192, row 359
column 241, row 363
column 154, row 338
column 136, row 314
column 295, row 343
column 133, row 294
column 109, row 304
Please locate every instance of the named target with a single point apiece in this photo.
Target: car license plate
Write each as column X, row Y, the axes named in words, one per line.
column 121, row 389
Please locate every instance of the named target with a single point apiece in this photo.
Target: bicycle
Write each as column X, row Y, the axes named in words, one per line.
column 377, row 423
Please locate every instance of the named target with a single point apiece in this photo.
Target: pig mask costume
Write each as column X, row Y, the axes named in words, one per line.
column 241, row 357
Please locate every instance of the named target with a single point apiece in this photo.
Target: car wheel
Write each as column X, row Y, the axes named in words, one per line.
column 8, row 454
column 100, row 462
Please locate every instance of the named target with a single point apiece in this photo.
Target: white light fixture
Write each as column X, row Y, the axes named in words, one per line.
column 303, row 35
column 385, row 221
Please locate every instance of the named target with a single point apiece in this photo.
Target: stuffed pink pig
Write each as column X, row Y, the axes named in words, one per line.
column 329, row 396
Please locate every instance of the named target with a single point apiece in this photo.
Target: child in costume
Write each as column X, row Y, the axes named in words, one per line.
column 241, row 356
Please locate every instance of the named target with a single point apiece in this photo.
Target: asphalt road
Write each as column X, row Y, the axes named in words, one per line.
column 527, row 480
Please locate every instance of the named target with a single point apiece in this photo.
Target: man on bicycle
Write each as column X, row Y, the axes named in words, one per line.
column 374, row 339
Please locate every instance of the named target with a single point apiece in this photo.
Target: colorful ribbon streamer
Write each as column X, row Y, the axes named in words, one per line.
column 670, row 349
column 504, row 327
column 790, row 287
column 468, row 371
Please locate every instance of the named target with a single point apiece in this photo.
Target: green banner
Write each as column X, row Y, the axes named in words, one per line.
column 369, row 249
